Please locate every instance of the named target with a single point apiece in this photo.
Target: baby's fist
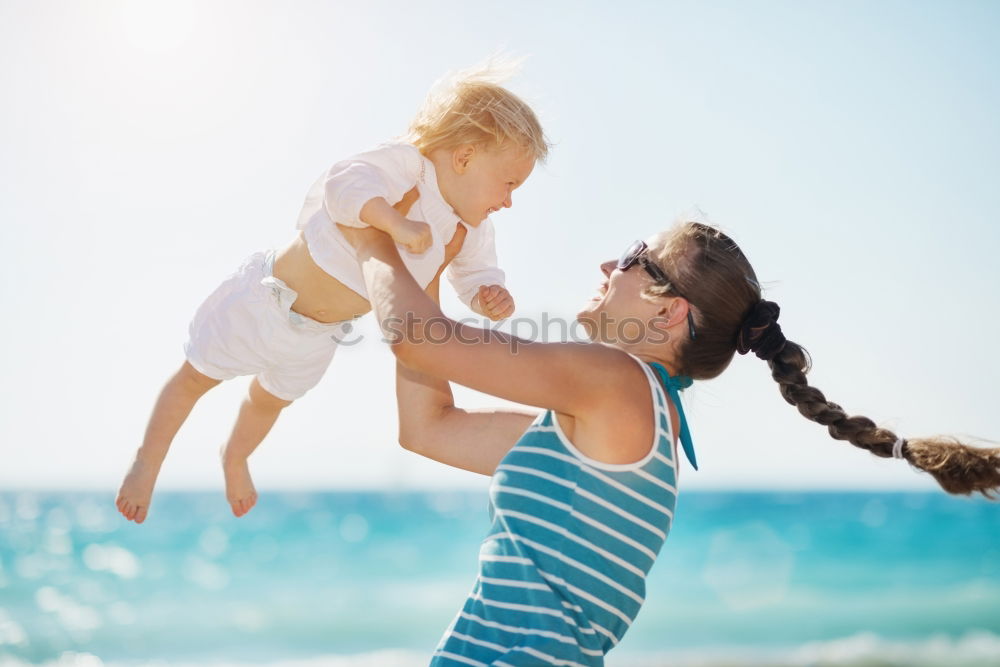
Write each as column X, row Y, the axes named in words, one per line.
column 415, row 236
column 494, row 301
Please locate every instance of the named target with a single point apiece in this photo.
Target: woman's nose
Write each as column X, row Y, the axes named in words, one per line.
column 608, row 266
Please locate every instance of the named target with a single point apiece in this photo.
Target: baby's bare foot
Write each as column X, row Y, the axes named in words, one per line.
column 240, row 493
column 137, row 490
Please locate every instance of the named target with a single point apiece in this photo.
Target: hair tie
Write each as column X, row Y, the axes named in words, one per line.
column 761, row 332
column 897, row 448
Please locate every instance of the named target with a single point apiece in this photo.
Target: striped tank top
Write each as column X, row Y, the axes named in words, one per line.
column 562, row 571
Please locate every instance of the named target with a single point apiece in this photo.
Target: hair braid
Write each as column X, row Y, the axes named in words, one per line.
column 789, row 370
column 957, row 467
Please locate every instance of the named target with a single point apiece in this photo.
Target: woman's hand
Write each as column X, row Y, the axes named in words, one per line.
column 362, row 237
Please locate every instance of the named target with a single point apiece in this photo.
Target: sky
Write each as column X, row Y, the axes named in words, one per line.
column 852, row 148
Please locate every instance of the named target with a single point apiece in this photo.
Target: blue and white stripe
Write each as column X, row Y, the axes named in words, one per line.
column 562, row 572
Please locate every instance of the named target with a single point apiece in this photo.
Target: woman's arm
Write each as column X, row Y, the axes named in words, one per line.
column 431, row 425
column 576, row 379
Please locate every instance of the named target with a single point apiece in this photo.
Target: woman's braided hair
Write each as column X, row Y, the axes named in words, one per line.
column 731, row 316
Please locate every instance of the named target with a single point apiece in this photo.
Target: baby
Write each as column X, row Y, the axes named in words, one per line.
column 279, row 317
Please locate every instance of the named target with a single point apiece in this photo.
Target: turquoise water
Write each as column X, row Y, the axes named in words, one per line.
column 374, row 578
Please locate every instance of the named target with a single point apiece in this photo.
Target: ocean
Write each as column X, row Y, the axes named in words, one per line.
column 373, row 578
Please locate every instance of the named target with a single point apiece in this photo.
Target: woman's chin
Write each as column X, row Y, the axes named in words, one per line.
column 588, row 321
column 591, row 307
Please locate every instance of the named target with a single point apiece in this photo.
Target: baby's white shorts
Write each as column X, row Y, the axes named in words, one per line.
column 246, row 327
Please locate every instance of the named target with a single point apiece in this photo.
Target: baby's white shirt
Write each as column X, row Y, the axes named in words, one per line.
column 390, row 171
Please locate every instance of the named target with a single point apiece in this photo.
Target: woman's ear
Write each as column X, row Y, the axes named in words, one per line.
column 661, row 322
column 671, row 314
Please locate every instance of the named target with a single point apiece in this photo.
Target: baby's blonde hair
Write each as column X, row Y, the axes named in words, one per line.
column 470, row 106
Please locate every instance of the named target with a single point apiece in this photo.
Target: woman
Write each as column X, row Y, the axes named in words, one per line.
column 583, row 494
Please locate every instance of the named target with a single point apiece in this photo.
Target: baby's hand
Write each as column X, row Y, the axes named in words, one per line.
column 413, row 235
column 494, row 301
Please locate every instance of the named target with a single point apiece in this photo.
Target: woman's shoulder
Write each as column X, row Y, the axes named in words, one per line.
column 619, row 425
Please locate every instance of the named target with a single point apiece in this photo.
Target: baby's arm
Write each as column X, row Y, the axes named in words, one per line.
column 477, row 278
column 360, row 191
column 413, row 235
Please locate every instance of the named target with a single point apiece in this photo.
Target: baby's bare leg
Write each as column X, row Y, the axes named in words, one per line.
column 259, row 411
column 173, row 406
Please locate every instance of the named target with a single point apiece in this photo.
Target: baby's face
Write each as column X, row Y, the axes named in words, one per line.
column 485, row 181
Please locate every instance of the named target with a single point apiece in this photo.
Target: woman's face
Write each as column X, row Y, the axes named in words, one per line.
column 619, row 313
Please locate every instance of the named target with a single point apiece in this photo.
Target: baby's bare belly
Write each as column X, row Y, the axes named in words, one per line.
column 321, row 296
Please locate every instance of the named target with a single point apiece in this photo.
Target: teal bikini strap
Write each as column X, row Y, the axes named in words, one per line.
column 674, row 386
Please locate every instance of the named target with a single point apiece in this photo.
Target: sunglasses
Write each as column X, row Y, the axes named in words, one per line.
column 636, row 254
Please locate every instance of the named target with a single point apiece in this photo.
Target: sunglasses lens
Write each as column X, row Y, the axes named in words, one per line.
column 629, row 256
